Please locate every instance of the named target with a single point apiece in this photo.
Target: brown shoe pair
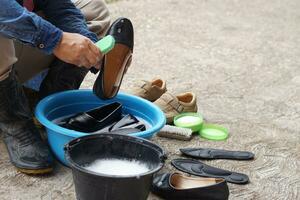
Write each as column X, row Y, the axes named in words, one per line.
column 171, row 105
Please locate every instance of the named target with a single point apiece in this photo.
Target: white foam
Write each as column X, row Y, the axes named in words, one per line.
column 118, row 167
column 188, row 119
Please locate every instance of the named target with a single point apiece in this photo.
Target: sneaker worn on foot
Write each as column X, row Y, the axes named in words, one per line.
column 26, row 149
column 174, row 105
column 150, row 90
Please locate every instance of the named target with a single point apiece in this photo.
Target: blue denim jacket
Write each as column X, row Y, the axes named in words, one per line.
column 62, row 15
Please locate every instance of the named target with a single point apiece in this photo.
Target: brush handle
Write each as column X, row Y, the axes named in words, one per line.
column 105, row 45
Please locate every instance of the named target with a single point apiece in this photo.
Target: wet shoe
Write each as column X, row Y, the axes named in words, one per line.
column 27, row 151
column 128, row 121
column 95, row 119
column 125, row 121
column 139, row 126
column 150, row 90
column 174, row 105
column 126, row 131
column 179, row 187
column 116, row 62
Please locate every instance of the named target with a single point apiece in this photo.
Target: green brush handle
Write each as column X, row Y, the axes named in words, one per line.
column 106, row 44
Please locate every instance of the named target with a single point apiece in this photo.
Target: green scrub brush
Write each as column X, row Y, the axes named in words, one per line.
column 174, row 132
column 106, row 44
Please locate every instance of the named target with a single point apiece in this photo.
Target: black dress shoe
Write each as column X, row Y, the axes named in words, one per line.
column 126, row 131
column 95, row 119
column 127, row 122
column 116, row 62
column 179, row 187
column 139, row 126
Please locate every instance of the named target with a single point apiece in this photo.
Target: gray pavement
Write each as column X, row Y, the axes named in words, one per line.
column 242, row 60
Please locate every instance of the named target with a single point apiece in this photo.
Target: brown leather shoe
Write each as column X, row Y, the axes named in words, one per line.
column 174, row 105
column 150, row 90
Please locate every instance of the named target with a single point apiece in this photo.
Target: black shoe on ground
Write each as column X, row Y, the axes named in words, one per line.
column 179, row 187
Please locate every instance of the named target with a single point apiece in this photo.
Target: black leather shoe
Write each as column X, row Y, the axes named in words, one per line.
column 179, row 187
column 27, row 152
column 127, row 122
column 95, row 119
column 126, row 125
column 116, row 62
column 126, row 131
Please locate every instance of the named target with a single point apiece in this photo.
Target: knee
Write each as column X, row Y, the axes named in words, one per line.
column 97, row 16
column 7, row 57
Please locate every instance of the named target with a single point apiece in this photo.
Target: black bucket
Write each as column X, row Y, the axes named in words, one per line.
column 91, row 185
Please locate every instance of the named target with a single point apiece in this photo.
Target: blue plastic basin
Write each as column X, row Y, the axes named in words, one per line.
column 69, row 102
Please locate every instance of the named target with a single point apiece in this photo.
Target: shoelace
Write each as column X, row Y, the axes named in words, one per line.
column 25, row 137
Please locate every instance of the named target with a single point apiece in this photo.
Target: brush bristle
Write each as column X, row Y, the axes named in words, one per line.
column 175, row 132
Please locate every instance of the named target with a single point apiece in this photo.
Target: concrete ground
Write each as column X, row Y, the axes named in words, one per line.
column 242, row 60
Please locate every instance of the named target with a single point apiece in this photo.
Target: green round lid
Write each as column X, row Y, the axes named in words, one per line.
column 213, row 132
column 189, row 120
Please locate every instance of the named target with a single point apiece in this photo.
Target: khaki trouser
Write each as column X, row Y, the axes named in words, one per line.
column 29, row 61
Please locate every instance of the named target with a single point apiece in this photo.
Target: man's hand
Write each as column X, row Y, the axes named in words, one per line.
column 78, row 50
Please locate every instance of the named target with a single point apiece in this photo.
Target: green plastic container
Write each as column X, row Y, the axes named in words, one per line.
column 190, row 120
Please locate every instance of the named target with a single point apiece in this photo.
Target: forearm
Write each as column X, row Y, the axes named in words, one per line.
column 16, row 22
column 64, row 14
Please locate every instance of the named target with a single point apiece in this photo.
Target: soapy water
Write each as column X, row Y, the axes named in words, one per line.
column 118, row 167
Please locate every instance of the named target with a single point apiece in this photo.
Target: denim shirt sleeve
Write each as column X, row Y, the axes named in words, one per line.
column 64, row 15
column 18, row 23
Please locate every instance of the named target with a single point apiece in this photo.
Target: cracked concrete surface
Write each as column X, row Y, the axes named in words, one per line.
column 242, row 60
